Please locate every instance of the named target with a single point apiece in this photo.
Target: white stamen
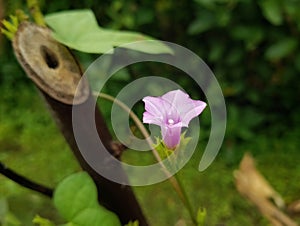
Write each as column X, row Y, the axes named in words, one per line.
column 170, row 121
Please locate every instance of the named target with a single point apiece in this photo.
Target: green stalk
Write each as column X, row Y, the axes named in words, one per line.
column 185, row 200
column 36, row 13
column 174, row 180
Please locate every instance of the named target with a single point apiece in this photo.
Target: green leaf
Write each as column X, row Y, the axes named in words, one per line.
column 297, row 62
column 202, row 24
column 281, row 49
column 251, row 35
column 7, row 218
column 96, row 217
column 272, row 10
column 76, row 200
column 74, row 194
column 3, row 208
column 69, row 224
column 133, row 223
column 78, row 29
column 184, row 141
column 161, row 149
column 11, row 220
column 216, row 52
column 42, row 221
column 210, row 4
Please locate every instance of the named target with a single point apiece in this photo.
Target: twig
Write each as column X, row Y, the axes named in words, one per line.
column 23, row 181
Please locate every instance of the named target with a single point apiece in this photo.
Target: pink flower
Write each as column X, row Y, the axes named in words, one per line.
column 171, row 112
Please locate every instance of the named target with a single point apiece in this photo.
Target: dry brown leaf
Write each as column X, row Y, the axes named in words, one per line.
column 256, row 188
column 294, row 207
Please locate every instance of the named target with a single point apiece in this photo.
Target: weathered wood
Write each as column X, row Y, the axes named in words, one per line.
column 294, row 208
column 251, row 184
column 50, row 65
column 60, row 68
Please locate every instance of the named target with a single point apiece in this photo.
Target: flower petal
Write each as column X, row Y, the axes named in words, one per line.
column 148, row 118
column 176, row 97
column 171, row 112
column 184, row 105
column 171, row 135
column 153, row 105
column 153, row 110
column 193, row 109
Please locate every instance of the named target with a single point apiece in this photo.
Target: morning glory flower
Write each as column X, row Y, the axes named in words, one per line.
column 171, row 112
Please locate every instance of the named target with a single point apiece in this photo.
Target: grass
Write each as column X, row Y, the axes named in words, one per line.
column 31, row 144
column 214, row 188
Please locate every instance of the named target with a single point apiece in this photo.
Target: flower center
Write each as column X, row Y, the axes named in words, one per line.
column 171, row 121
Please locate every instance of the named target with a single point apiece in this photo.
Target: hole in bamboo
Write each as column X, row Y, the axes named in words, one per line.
column 49, row 57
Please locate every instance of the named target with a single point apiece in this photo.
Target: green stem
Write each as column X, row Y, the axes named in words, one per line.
column 186, row 200
column 36, row 13
column 136, row 120
column 141, row 127
column 174, row 180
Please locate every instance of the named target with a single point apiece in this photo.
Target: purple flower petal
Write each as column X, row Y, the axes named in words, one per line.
column 193, row 109
column 184, row 105
column 150, row 119
column 171, row 135
column 153, row 113
column 171, row 112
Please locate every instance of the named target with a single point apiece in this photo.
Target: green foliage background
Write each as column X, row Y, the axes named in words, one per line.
column 253, row 48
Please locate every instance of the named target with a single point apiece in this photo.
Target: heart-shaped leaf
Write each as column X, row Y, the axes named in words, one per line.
column 76, row 200
column 78, row 29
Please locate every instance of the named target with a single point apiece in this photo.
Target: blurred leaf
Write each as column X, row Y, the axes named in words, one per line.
column 234, row 55
column 272, row 10
column 201, row 24
column 297, row 62
column 78, row 29
column 6, row 217
column 210, row 3
column 216, row 51
column 206, row 3
column 223, row 17
column 69, row 224
column 76, row 200
column 251, row 35
column 3, row 208
column 281, row 49
column 11, row 220
column 133, row 223
column 242, row 121
column 291, row 8
column 145, row 16
column 42, row 221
